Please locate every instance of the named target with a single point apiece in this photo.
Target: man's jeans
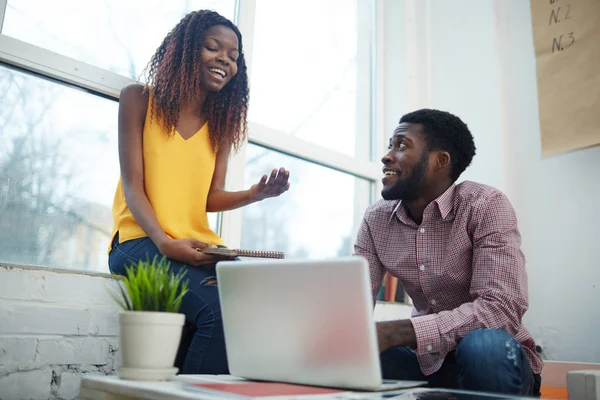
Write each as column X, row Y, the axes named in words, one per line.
column 200, row 305
column 487, row 360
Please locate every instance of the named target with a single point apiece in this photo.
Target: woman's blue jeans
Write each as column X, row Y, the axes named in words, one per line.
column 207, row 354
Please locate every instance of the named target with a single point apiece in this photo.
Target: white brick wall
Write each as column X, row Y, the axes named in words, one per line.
column 54, row 327
column 58, row 325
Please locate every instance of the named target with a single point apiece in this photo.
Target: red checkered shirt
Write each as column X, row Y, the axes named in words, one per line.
column 462, row 267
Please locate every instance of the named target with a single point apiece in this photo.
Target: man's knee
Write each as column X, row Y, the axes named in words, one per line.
column 491, row 360
column 489, row 346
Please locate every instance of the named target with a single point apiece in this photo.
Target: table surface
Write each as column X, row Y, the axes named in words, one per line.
column 112, row 388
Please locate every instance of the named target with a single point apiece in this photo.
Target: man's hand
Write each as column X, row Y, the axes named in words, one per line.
column 186, row 251
column 398, row 333
column 276, row 184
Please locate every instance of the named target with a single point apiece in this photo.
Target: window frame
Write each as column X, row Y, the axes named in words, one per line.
column 98, row 81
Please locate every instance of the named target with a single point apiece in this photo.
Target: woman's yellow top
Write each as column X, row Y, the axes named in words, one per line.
column 177, row 178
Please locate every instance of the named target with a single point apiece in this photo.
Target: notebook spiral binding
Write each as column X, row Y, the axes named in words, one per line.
column 242, row 252
column 260, row 253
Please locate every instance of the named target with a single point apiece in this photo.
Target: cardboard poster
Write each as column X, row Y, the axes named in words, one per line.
column 567, row 48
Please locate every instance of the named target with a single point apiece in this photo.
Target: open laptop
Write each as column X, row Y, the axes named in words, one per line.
column 302, row 321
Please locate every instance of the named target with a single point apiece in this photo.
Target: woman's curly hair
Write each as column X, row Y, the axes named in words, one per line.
column 174, row 76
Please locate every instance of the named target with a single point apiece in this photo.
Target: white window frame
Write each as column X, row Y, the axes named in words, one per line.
column 70, row 71
column 3, row 4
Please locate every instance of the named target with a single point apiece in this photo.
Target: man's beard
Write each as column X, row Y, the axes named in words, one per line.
column 409, row 188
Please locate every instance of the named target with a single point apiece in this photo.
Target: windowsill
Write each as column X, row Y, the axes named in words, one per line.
column 59, row 270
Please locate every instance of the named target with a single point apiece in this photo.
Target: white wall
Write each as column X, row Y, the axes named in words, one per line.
column 54, row 327
column 476, row 59
column 464, row 78
column 557, row 199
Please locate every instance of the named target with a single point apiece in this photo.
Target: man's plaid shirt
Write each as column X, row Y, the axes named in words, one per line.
column 462, row 267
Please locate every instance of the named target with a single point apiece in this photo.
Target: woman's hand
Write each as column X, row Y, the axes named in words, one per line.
column 276, row 184
column 187, row 251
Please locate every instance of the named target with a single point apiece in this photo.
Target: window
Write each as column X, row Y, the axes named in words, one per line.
column 58, row 172
column 63, row 63
column 59, row 169
column 116, row 35
column 318, row 217
column 310, row 72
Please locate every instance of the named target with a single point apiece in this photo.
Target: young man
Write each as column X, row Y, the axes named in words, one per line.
column 456, row 250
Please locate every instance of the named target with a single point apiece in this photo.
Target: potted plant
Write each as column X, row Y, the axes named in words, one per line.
column 150, row 326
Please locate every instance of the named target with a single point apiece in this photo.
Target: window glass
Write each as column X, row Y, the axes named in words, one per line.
column 120, row 36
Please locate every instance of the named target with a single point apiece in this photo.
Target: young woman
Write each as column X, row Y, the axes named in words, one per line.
column 175, row 135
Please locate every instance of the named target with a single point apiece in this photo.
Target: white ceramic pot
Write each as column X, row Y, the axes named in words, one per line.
column 149, row 342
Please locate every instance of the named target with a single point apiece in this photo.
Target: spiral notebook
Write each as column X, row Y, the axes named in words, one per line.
column 220, row 251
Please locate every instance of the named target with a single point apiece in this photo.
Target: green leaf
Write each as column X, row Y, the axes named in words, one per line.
column 150, row 285
column 125, row 297
column 177, row 302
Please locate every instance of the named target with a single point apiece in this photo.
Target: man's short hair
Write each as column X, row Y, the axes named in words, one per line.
column 446, row 132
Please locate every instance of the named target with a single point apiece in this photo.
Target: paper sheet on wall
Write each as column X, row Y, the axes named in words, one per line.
column 567, row 48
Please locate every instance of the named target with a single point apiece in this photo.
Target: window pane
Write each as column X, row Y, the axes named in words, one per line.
column 58, row 172
column 120, row 36
column 318, row 217
column 310, row 71
column 59, row 169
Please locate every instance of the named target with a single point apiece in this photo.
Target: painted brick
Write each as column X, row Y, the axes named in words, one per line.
column 6, row 369
column 55, row 286
column 69, row 386
column 79, row 289
column 87, row 350
column 33, row 385
column 114, row 361
column 59, row 319
column 42, row 319
column 104, row 321
column 57, row 322
column 19, row 284
column 17, row 350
